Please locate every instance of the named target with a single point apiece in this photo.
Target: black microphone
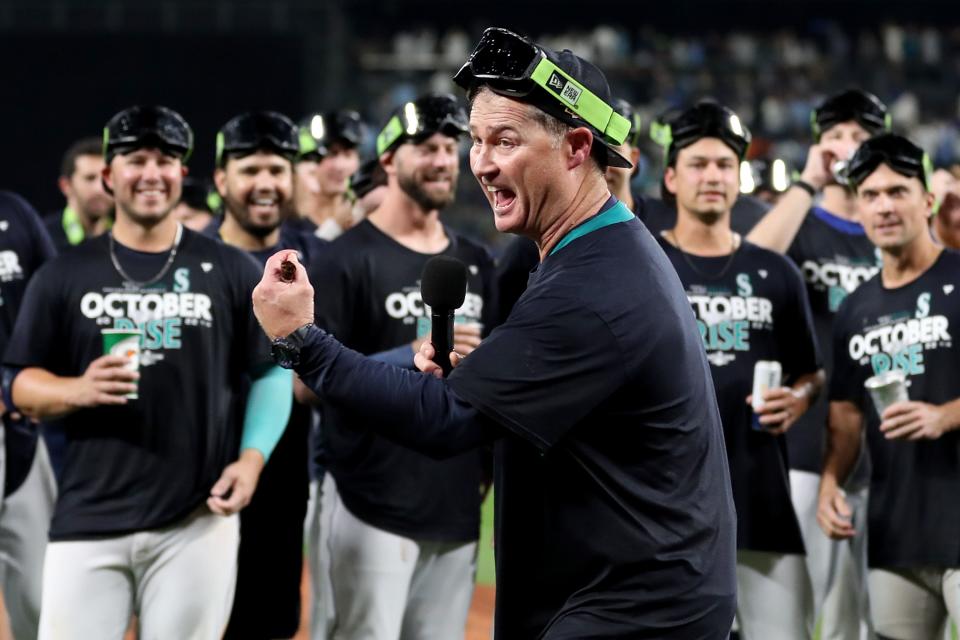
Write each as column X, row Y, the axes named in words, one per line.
column 443, row 286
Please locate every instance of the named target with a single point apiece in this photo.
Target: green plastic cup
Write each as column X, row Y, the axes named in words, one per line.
column 126, row 344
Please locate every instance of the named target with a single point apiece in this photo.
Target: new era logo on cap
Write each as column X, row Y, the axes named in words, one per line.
column 564, row 88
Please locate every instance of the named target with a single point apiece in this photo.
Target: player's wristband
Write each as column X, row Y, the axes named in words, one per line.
column 806, row 186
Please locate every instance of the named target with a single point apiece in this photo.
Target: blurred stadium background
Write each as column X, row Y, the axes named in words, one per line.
column 66, row 66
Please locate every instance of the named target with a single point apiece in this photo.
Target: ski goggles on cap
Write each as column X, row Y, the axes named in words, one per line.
column 320, row 130
column 147, row 126
column 252, row 131
column 852, row 105
column 706, row 119
column 514, row 66
column 420, row 119
column 895, row 151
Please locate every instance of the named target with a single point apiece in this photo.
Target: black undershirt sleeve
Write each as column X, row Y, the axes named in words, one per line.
column 415, row 410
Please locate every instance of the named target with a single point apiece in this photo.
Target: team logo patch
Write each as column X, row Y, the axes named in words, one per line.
column 567, row 90
column 948, row 289
column 206, row 266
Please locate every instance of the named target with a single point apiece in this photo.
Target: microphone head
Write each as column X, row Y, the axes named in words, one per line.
column 443, row 284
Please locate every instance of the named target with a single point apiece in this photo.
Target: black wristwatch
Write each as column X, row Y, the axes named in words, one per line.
column 286, row 350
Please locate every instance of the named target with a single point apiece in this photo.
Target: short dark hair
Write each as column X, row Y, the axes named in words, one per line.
column 82, row 147
column 552, row 125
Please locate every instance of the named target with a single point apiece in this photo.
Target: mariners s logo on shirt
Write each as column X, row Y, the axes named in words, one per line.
column 898, row 341
column 160, row 314
column 725, row 318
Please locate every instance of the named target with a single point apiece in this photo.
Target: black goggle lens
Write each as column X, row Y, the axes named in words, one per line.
column 502, row 54
column 253, row 130
column 901, row 155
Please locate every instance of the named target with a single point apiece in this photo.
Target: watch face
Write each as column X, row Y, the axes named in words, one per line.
column 284, row 354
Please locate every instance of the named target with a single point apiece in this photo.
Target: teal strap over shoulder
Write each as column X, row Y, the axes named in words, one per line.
column 613, row 215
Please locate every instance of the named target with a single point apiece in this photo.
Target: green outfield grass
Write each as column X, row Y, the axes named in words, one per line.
column 486, row 572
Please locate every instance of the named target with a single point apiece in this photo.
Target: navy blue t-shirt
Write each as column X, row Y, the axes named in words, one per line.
column 368, row 296
column 752, row 306
column 615, row 517
column 914, row 513
column 24, row 246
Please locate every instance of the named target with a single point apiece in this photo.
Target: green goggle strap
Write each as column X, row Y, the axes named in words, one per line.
column 581, row 101
column 927, row 172
column 220, row 144
column 662, row 135
column 307, row 143
column 390, row 134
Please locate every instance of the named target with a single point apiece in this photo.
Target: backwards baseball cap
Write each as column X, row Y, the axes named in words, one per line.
column 706, row 119
column 139, row 127
column 320, row 130
column 896, row 152
column 851, row 105
column 255, row 131
column 420, row 119
column 560, row 84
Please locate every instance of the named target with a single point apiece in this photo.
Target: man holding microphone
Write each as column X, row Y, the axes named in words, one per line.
column 614, row 511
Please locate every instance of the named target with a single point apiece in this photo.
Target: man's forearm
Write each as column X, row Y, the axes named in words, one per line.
column 777, row 229
column 951, row 415
column 416, row 410
column 843, row 443
column 42, row 395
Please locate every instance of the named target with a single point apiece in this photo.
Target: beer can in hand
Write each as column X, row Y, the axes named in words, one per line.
column 886, row 389
column 767, row 374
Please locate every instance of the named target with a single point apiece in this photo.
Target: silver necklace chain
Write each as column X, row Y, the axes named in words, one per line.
column 734, row 246
column 166, row 267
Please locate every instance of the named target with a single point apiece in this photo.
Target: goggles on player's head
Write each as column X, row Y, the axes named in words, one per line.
column 896, row 152
column 139, row 126
column 319, row 131
column 254, row 131
column 513, row 65
column 851, row 105
column 706, row 119
column 420, row 119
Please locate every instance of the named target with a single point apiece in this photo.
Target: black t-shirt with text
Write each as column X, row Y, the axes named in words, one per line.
column 835, row 257
column 614, row 512
column 153, row 461
column 914, row 513
column 368, row 296
column 750, row 306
